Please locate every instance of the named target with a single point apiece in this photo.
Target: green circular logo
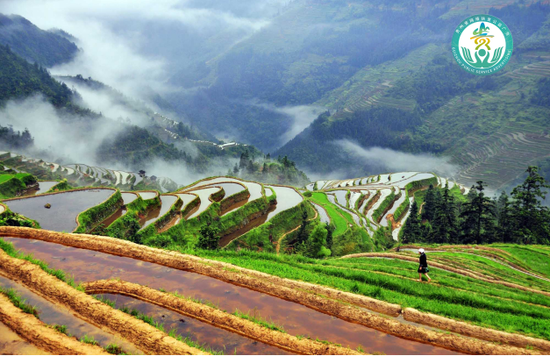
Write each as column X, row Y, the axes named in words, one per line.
column 482, row 44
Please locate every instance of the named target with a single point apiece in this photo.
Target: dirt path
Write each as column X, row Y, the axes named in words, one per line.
column 31, row 329
column 217, row 318
column 144, row 336
column 324, row 299
column 278, row 247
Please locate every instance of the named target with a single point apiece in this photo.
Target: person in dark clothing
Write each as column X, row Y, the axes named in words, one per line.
column 423, row 268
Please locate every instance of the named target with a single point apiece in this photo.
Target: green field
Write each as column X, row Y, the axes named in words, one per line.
column 340, row 218
column 451, row 295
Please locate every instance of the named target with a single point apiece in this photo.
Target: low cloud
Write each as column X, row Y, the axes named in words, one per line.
column 396, row 161
column 302, row 116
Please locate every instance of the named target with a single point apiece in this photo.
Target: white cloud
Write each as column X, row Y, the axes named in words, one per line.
column 396, row 161
column 114, row 56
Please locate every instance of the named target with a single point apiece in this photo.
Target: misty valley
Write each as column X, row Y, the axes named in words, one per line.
column 274, row 177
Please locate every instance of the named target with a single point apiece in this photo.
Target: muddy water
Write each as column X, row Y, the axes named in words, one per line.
column 286, row 198
column 203, row 333
column 13, row 344
column 166, row 203
column 297, row 319
column 51, row 313
column 43, row 187
column 235, row 206
column 65, row 207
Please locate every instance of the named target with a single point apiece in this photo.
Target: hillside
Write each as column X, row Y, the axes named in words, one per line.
column 303, row 252
column 47, row 48
column 404, row 92
column 498, row 119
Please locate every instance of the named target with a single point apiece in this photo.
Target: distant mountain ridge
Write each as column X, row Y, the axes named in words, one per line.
column 47, row 48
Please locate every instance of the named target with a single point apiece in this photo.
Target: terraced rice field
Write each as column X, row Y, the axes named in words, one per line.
column 64, row 207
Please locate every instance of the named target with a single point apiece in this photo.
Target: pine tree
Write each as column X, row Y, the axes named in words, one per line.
column 302, row 232
column 412, row 231
column 330, row 231
column 444, row 224
column 428, row 210
column 505, row 219
column 479, row 220
column 530, row 217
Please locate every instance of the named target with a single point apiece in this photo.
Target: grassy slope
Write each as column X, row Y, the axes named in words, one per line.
column 340, row 218
column 452, row 295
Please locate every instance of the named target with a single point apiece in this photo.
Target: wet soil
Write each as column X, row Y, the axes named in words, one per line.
column 144, row 336
column 218, row 339
column 87, row 265
column 51, row 313
column 13, row 344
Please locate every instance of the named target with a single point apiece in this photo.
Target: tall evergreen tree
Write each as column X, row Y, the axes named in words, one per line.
column 479, row 220
column 412, row 231
column 505, row 229
column 530, row 216
column 428, row 210
column 445, row 224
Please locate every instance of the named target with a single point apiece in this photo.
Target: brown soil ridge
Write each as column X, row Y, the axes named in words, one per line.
column 216, row 269
column 217, row 318
column 305, row 293
column 146, row 337
column 33, row 330
column 478, row 332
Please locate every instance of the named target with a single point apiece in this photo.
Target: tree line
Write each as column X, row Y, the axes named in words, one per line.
column 516, row 218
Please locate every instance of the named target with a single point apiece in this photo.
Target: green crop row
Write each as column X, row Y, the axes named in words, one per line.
column 383, row 207
column 477, row 309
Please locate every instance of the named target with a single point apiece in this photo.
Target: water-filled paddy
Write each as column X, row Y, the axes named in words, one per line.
column 297, row 319
column 43, row 187
column 286, row 198
column 65, row 207
column 217, row 338
column 51, row 313
column 154, row 214
column 323, row 216
column 204, row 195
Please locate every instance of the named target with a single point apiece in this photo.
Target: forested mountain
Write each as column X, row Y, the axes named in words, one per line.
column 139, row 139
column 424, row 102
column 398, row 88
column 47, row 48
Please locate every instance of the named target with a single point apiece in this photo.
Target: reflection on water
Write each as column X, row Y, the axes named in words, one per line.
column 218, row 339
column 43, row 187
column 286, row 198
column 297, row 319
column 64, row 207
column 51, row 313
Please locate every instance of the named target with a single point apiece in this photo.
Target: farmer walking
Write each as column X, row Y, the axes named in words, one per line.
column 423, row 268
